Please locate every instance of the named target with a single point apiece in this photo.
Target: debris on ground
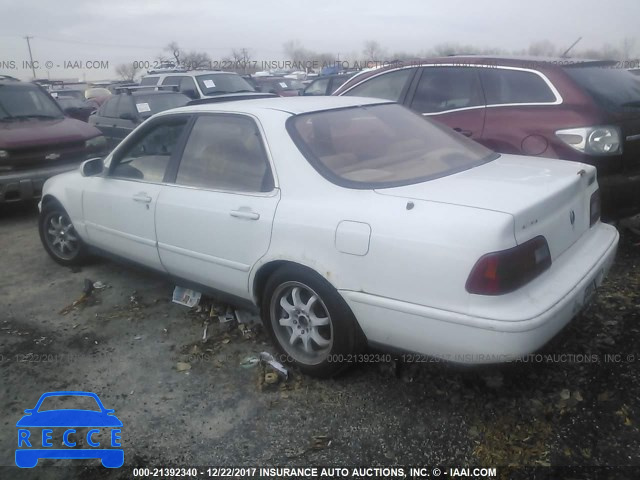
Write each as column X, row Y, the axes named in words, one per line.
column 268, row 359
column 87, row 289
column 183, row 366
column 99, row 285
column 249, row 362
column 186, row 296
column 204, row 334
column 227, row 317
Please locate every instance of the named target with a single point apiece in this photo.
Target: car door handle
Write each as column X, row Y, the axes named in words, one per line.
column 466, row 133
column 245, row 214
column 142, row 198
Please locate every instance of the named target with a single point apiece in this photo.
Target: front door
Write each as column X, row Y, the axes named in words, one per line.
column 214, row 222
column 120, row 206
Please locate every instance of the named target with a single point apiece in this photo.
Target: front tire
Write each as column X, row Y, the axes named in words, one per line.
column 59, row 237
column 309, row 321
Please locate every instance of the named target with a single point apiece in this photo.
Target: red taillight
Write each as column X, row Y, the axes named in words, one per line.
column 502, row 272
column 594, row 207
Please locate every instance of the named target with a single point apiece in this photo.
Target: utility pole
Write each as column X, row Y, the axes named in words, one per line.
column 33, row 70
column 566, row 52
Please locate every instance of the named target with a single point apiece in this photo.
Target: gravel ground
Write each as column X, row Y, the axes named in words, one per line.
column 187, row 402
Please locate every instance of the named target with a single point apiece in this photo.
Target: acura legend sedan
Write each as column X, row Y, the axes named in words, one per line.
column 346, row 222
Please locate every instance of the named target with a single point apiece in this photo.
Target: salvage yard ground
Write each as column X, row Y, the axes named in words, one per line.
column 184, row 402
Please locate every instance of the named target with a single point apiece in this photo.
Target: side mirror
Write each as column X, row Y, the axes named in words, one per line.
column 191, row 93
column 92, row 167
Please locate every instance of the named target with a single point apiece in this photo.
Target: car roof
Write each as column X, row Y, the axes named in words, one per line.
column 292, row 105
column 190, row 73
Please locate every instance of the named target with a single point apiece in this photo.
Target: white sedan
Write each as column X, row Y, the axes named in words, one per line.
column 345, row 221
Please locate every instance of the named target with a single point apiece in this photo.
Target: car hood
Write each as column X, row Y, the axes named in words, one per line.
column 33, row 132
column 69, row 418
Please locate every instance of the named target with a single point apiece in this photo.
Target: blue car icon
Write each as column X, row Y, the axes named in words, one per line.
column 32, row 446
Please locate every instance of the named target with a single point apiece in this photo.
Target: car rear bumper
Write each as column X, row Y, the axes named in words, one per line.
column 502, row 328
column 27, row 185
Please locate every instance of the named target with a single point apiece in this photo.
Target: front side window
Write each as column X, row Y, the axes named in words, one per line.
column 225, row 152
column 447, row 88
column 148, row 157
column 504, row 86
column 388, row 86
column 379, row 146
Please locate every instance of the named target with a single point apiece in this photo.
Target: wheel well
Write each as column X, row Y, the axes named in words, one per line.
column 47, row 199
column 266, row 270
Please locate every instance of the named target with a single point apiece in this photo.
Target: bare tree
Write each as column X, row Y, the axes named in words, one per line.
column 174, row 50
column 543, row 48
column 628, row 48
column 195, row 60
column 296, row 52
column 241, row 58
column 127, row 71
column 372, row 50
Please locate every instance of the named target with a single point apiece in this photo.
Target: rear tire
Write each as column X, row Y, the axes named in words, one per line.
column 59, row 237
column 309, row 321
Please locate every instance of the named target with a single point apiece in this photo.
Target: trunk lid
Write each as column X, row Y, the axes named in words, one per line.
column 544, row 196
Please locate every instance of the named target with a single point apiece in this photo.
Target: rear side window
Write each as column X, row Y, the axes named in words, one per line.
column 447, row 88
column 381, row 146
column 612, row 88
column 388, row 86
column 502, row 86
column 225, row 152
column 149, row 81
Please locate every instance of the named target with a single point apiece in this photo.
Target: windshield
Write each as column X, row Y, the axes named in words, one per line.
column 148, row 105
column 614, row 89
column 69, row 102
column 219, row 83
column 21, row 101
column 382, row 146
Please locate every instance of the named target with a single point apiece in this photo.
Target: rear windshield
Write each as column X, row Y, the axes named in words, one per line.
column 149, row 81
column 381, row 146
column 219, row 83
column 147, row 105
column 612, row 88
column 20, row 101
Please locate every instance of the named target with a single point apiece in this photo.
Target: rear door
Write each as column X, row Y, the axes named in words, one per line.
column 214, row 220
column 120, row 206
column 126, row 118
column 451, row 95
column 104, row 119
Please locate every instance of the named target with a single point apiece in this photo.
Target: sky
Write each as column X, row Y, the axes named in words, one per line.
column 80, row 39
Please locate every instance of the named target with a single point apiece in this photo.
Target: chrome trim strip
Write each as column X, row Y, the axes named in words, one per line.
column 207, row 258
column 553, row 89
column 118, row 233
